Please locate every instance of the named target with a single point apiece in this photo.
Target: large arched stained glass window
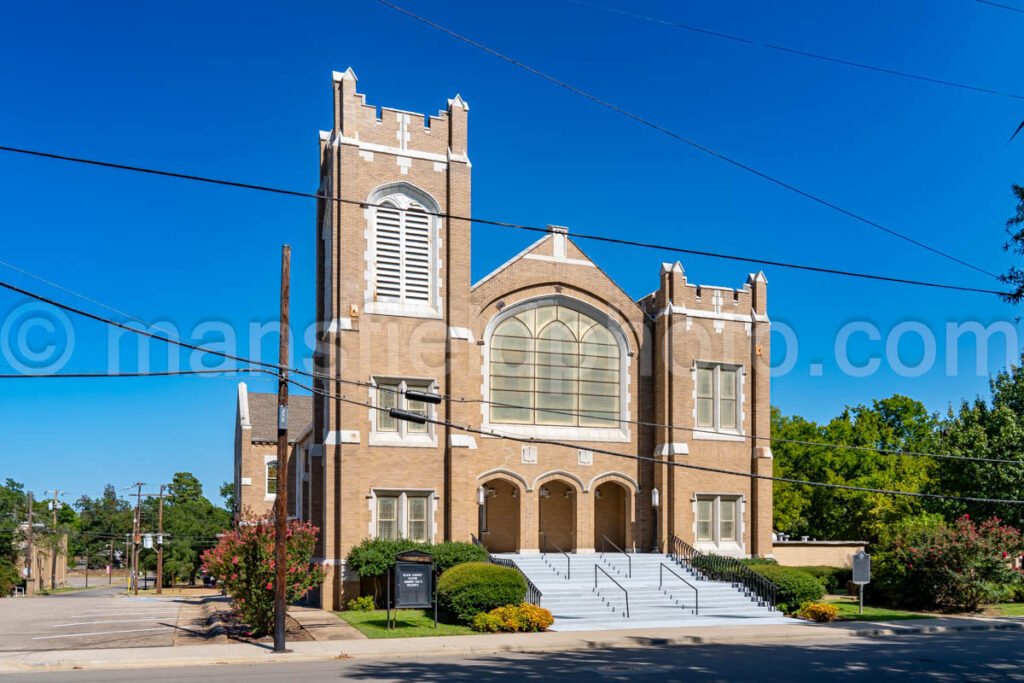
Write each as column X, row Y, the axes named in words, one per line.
column 553, row 365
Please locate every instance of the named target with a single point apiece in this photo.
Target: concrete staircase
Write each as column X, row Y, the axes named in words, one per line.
column 568, row 590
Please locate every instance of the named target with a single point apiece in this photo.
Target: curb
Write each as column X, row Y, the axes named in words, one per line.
column 391, row 649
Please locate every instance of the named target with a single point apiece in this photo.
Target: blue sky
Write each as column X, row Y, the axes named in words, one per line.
column 239, row 91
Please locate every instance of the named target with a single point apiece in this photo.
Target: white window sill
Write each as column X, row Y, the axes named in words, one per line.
column 402, row 309
column 270, row 496
column 707, row 434
column 553, row 432
column 400, row 441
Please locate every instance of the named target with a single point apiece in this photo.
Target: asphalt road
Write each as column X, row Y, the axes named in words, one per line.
column 977, row 657
column 93, row 618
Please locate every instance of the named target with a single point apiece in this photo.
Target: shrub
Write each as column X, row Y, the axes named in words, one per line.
column 819, row 612
column 514, row 618
column 832, row 578
column 361, row 604
column 375, row 556
column 448, row 554
column 243, row 563
column 755, row 561
column 9, row 578
column 931, row 563
column 796, row 587
column 474, row 587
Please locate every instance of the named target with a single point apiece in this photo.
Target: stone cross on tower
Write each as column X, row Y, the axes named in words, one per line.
column 716, row 301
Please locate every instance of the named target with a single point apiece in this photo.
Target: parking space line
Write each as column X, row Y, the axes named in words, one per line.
column 108, row 621
column 100, row 633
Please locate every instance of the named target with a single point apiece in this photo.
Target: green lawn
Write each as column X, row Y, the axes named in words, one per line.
column 1007, row 609
column 849, row 610
column 409, row 623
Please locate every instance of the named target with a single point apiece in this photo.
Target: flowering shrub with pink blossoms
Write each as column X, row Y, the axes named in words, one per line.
column 955, row 565
column 243, row 563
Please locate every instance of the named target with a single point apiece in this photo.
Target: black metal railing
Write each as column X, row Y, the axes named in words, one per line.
column 629, row 560
column 720, row 568
column 533, row 594
column 568, row 559
column 661, row 583
column 610, row 578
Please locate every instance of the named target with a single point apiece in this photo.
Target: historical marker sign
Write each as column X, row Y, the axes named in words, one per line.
column 861, row 568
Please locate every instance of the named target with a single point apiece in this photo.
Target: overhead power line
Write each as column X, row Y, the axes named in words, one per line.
column 489, row 222
column 112, row 375
column 688, row 141
column 644, row 458
column 1001, row 5
column 273, row 369
column 799, row 52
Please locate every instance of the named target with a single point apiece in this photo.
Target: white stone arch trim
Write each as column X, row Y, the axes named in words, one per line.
column 400, row 193
column 626, row 357
column 616, row 475
column 581, row 487
column 507, row 474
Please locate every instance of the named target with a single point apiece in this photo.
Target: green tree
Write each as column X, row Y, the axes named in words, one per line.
column 897, row 423
column 990, row 430
column 1015, row 245
column 227, row 492
column 191, row 525
column 104, row 522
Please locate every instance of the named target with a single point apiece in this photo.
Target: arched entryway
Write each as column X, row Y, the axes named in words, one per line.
column 500, row 523
column 611, row 516
column 557, row 516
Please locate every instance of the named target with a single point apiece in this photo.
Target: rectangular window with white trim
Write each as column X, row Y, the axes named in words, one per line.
column 717, row 397
column 388, row 393
column 717, row 521
column 403, row 514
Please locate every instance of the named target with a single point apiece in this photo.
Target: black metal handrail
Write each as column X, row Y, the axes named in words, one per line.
column 629, row 559
column 720, row 568
column 568, row 560
column 597, row 568
column 533, row 594
column 661, row 582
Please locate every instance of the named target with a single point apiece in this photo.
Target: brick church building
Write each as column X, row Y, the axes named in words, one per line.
column 545, row 347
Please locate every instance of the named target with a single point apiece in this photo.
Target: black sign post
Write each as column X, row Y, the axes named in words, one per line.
column 411, row 584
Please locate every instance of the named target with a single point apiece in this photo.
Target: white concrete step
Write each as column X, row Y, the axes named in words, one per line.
column 658, row 597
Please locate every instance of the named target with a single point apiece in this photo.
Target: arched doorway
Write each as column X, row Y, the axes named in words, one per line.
column 557, row 516
column 500, row 528
column 611, row 516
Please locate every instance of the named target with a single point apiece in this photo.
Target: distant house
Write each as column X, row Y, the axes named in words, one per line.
column 256, row 474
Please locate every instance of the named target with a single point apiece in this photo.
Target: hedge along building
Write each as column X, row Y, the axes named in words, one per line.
column 545, row 347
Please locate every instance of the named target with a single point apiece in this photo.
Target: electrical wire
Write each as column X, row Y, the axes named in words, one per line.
column 110, row 375
column 1000, row 5
column 488, row 222
column 688, row 141
column 796, row 51
column 690, row 466
column 276, row 370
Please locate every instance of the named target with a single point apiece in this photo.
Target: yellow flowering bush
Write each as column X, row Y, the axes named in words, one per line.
column 514, row 618
column 819, row 612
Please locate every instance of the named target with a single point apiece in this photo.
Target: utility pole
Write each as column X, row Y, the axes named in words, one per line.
column 281, row 499
column 110, row 567
column 31, row 538
column 160, row 545
column 53, row 550
column 135, row 535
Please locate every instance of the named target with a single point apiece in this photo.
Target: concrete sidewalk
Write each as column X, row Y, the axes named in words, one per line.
column 412, row 648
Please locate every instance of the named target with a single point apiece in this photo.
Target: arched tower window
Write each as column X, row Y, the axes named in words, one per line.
column 404, row 249
column 554, row 365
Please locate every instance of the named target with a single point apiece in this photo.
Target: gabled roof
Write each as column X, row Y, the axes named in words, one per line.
column 263, row 416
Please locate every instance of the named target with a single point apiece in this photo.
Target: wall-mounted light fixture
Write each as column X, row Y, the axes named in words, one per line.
column 655, row 498
column 544, row 493
column 481, row 495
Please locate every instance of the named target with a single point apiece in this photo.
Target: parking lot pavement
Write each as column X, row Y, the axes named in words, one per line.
column 96, row 618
